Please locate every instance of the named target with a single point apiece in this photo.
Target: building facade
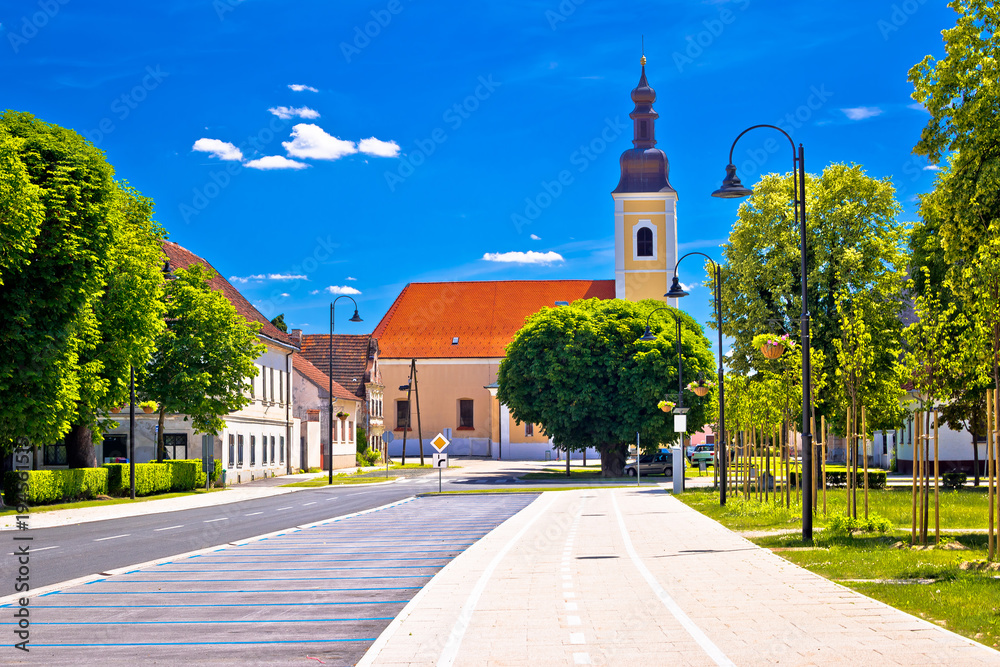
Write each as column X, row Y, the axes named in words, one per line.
column 311, row 395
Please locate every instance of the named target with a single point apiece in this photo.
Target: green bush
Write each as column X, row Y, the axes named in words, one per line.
column 953, row 480
column 845, row 525
column 36, row 487
column 184, row 474
column 369, row 457
column 150, row 478
column 837, row 479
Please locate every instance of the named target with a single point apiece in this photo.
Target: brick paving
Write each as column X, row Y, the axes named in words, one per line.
column 562, row 583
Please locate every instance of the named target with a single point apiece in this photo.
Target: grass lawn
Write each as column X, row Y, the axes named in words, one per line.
column 101, row 503
column 926, row 583
column 963, row 508
column 324, row 480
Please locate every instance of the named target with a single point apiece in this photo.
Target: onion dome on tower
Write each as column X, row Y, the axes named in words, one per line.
column 645, row 168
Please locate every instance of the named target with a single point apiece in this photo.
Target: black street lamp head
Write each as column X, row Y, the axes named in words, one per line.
column 647, row 335
column 356, row 318
column 676, row 291
column 732, row 188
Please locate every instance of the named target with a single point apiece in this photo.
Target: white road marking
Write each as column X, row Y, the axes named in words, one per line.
column 581, row 658
column 308, row 504
column 31, row 551
column 576, row 638
column 113, row 537
column 573, row 620
column 156, row 530
column 253, row 514
column 334, row 498
column 283, row 508
column 692, row 628
column 221, row 518
column 571, row 606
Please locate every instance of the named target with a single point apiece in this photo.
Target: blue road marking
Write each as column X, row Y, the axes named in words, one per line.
column 221, row 604
column 247, row 643
column 215, row 581
column 215, row 622
column 266, row 590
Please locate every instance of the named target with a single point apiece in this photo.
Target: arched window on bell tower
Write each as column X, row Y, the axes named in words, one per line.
column 644, row 242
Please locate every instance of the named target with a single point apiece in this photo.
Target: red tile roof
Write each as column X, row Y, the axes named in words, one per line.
column 319, row 378
column 181, row 258
column 484, row 316
column 350, row 358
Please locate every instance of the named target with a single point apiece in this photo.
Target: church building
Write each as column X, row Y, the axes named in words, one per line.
column 457, row 331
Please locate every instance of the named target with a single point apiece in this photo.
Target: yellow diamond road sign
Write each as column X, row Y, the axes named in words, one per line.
column 440, row 442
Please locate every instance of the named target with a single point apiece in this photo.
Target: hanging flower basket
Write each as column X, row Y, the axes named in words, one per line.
column 666, row 406
column 701, row 387
column 342, row 416
column 148, row 406
column 775, row 346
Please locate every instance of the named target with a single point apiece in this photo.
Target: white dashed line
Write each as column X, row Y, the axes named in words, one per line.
column 576, row 638
column 253, row 514
column 283, row 508
column 571, row 606
column 156, row 530
column 31, row 551
column 308, row 504
column 221, row 518
column 581, row 658
column 113, row 537
column 573, row 620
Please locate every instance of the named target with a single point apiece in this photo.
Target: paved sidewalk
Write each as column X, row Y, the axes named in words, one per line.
column 634, row 577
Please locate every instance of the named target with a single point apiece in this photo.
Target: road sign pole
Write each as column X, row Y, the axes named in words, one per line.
column 439, row 479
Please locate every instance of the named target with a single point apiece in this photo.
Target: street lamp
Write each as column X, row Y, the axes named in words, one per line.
column 732, row 188
column 493, row 388
column 648, row 336
column 676, row 292
column 330, row 373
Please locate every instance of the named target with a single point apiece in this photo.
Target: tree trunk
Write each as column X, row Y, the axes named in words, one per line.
column 161, row 449
column 612, row 461
column 975, row 457
column 80, row 452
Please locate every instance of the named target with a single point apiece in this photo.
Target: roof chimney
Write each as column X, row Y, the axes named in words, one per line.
column 297, row 336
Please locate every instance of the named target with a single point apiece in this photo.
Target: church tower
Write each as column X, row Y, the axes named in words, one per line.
column 645, row 209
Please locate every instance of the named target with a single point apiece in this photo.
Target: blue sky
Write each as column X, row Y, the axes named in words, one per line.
column 356, row 146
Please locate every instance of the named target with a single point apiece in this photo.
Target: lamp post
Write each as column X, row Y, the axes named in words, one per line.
column 648, row 336
column 676, row 291
column 329, row 431
column 493, row 388
column 733, row 188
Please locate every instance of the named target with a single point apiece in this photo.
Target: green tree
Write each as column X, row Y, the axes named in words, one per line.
column 582, row 374
column 854, row 246
column 56, row 203
column 204, row 357
column 279, row 322
column 127, row 317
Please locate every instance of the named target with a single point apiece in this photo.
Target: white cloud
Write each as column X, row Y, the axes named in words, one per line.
column 311, row 141
column 350, row 278
column 291, row 112
column 861, row 113
column 530, row 257
column 299, row 87
column 341, row 289
column 688, row 288
column 218, row 148
column 285, row 294
column 917, row 106
column 269, row 162
column 268, row 276
column 535, row 237
column 315, row 291
column 932, row 167
column 378, row 148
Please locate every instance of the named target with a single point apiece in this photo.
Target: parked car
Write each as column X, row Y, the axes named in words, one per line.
column 704, row 453
column 652, row 464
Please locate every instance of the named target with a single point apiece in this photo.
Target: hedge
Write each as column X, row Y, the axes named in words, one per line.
column 50, row 486
column 953, row 480
column 838, row 479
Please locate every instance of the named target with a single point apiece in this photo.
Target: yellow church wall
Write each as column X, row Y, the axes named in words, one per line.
column 644, row 205
column 632, row 264
column 641, row 286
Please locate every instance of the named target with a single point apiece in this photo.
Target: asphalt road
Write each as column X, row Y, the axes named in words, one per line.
column 320, row 594
column 67, row 552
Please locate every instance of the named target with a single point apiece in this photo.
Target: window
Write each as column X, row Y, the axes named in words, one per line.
column 350, row 431
column 253, row 451
column 54, row 455
column 642, row 129
column 232, row 450
column 272, row 450
column 281, row 449
column 529, row 429
column 263, row 450
column 644, row 242
column 272, row 385
column 239, row 451
column 402, row 414
column 115, row 447
column 176, row 445
column 465, row 413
